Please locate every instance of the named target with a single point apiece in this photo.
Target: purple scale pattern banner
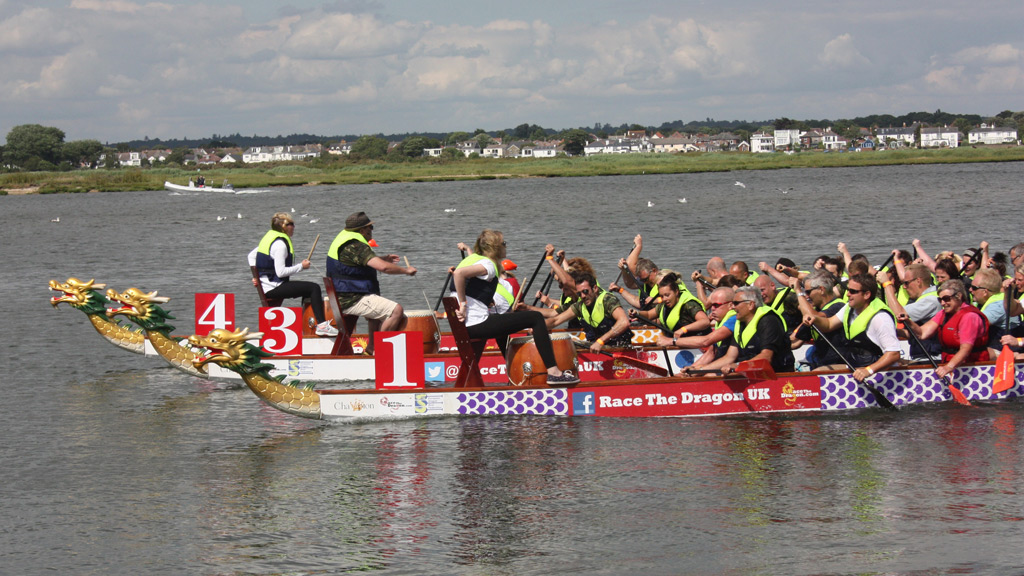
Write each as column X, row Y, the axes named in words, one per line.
column 842, row 392
column 550, row 402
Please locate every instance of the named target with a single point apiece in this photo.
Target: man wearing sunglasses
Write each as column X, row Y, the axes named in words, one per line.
column 868, row 339
column 817, row 297
column 759, row 335
column 353, row 266
column 922, row 304
column 962, row 328
column 604, row 320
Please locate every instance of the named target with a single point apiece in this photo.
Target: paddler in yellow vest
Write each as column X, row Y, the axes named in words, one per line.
column 782, row 301
column 987, row 291
column 678, row 312
column 758, row 335
column 817, row 297
column 642, row 270
column 353, row 266
column 1015, row 339
column 715, row 344
column 274, row 259
column 921, row 306
column 868, row 336
column 740, row 270
column 604, row 320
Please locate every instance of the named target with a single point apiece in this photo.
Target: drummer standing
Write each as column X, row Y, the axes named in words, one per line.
column 475, row 281
column 353, row 266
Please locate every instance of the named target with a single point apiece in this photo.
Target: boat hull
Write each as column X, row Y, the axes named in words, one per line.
column 179, row 188
column 667, row 397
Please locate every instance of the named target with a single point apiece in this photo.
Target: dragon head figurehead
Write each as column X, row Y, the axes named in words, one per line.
column 142, row 308
column 231, row 350
column 84, row 296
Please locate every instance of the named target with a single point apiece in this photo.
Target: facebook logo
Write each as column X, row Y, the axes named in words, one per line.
column 582, row 403
column 434, row 371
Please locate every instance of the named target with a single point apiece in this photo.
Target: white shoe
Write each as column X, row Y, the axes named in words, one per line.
column 325, row 329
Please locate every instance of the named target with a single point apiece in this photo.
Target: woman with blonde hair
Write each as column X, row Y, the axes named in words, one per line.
column 475, row 281
column 273, row 259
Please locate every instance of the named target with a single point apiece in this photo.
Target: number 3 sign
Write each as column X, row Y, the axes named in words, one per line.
column 282, row 330
column 396, row 364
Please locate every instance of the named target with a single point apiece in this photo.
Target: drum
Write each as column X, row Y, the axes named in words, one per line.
column 309, row 318
column 525, row 366
column 425, row 322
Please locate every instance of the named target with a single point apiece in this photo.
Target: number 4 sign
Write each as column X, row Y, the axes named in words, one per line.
column 214, row 311
column 396, row 363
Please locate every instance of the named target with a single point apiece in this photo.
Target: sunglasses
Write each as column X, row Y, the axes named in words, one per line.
column 738, row 302
column 714, row 305
column 946, row 298
column 584, row 292
column 852, row 291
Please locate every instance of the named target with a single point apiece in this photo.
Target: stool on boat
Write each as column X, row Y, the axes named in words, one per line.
column 308, row 317
column 347, row 324
column 470, row 349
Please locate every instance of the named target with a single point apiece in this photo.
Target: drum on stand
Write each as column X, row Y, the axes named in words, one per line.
column 526, row 368
column 424, row 321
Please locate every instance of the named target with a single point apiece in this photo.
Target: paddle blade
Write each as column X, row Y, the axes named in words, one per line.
column 638, row 363
column 959, row 396
column 1006, row 376
column 759, row 369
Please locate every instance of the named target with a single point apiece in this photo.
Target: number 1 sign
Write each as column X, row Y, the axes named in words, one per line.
column 397, row 364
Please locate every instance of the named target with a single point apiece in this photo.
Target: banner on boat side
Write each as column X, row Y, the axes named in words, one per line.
column 398, row 360
column 592, row 367
column 214, row 311
column 698, row 398
column 282, row 330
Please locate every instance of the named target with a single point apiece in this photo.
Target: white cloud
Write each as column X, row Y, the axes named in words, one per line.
column 842, row 52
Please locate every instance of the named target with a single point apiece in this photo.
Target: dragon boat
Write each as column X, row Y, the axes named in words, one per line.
column 86, row 297
column 753, row 389
column 143, row 308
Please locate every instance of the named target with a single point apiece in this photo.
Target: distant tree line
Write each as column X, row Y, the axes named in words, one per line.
column 32, row 147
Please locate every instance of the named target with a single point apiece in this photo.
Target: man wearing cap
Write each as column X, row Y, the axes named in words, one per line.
column 353, row 266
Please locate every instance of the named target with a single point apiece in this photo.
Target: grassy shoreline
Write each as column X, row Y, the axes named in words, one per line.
column 341, row 172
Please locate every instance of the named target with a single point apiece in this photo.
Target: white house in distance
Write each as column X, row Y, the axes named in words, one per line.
column 761, row 142
column 896, row 137
column 787, row 139
column 940, row 137
column 986, row 134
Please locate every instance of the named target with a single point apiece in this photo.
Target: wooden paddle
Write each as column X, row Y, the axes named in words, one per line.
column 313, row 248
column 759, row 369
column 880, row 398
column 622, row 357
column 447, row 282
column 1006, row 371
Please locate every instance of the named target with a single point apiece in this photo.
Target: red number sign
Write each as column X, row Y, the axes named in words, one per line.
column 214, row 311
column 282, row 330
column 398, row 360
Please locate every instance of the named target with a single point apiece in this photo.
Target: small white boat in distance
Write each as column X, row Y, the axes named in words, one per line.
column 193, row 188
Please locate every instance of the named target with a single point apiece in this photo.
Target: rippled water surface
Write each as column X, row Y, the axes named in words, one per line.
column 116, row 464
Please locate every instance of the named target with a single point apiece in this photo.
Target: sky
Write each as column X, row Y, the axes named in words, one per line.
column 117, row 70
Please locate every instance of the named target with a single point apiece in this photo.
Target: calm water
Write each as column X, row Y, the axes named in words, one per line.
column 116, row 464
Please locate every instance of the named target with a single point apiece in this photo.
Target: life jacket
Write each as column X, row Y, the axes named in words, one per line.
column 744, row 335
column 672, row 318
column 596, row 323
column 347, row 278
column 856, row 346
column 779, row 305
column 751, row 276
column 476, row 287
column 949, row 336
column 902, row 296
column 265, row 262
column 501, row 291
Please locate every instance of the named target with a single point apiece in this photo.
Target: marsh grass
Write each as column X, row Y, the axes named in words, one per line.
column 332, row 171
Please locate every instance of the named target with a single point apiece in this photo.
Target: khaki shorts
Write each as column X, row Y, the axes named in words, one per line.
column 372, row 307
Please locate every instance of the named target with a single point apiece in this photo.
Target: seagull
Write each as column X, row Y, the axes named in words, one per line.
column 740, row 184
column 57, row 219
column 682, row 200
column 219, row 218
column 449, row 210
column 304, row 216
column 239, row 215
column 786, row 191
column 314, row 220
column 650, row 204
column 293, row 210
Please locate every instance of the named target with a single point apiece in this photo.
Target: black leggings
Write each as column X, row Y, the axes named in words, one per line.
column 499, row 326
column 301, row 289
